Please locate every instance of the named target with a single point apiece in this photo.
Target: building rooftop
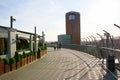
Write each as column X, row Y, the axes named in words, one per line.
column 9, row 28
column 72, row 12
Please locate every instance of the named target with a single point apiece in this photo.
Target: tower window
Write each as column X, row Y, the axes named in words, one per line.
column 71, row 17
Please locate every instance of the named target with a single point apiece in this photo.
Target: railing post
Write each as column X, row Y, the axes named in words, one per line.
column 110, row 58
column 100, row 49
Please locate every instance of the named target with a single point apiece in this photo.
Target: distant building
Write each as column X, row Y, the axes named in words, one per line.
column 73, row 26
column 64, row 39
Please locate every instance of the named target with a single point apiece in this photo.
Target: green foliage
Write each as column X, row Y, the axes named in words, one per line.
column 42, row 48
column 28, row 54
column 6, row 61
column 12, row 60
column 32, row 53
column 39, row 50
column 20, row 42
column 40, row 43
column 45, row 48
column 24, row 55
column 0, row 59
column 20, row 55
column 17, row 57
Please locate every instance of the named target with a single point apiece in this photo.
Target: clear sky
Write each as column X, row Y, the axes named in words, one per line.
column 49, row 16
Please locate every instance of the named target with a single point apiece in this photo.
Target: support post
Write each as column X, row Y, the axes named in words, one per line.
column 11, row 22
column 110, row 58
column 35, row 40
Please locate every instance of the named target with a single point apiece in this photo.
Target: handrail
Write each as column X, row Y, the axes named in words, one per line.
column 106, row 48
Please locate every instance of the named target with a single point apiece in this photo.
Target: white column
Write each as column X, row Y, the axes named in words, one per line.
column 31, row 42
column 11, row 43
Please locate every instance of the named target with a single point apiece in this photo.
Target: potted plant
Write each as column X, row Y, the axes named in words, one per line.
column 28, row 58
column 24, row 59
column 34, row 56
column 6, row 65
column 12, row 63
column 17, row 58
column 45, row 49
column 20, row 59
column 1, row 66
column 32, row 53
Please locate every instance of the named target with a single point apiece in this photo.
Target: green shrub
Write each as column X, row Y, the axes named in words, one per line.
column 20, row 55
column 42, row 48
column 6, row 61
column 12, row 60
column 24, row 55
column 0, row 59
column 17, row 57
column 28, row 54
column 32, row 53
column 45, row 48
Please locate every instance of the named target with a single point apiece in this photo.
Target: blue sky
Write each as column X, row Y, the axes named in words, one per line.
column 49, row 16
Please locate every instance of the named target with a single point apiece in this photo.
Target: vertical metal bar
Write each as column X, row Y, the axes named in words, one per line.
column 35, row 40
column 11, row 22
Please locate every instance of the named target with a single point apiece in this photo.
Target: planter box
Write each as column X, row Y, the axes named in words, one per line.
column 1, row 67
column 45, row 51
column 18, row 64
column 24, row 61
column 32, row 58
column 6, row 68
column 35, row 56
column 28, row 60
column 13, row 67
column 42, row 53
column 38, row 55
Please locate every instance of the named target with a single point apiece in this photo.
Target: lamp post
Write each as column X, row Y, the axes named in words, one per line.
column 116, row 25
column 107, row 40
column 96, row 45
column 35, row 40
column 100, row 50
column 11, row 21
column 94, row 39
column 101, row 39
column 89, row 40
column 43, row 37
column 111, row 58
column 107, row 37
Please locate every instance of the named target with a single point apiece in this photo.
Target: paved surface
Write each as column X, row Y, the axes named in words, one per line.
column 61, row 64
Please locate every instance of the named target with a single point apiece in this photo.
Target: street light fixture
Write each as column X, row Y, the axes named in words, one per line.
column 101, row 52
column 107, row 36
column 107, row 33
